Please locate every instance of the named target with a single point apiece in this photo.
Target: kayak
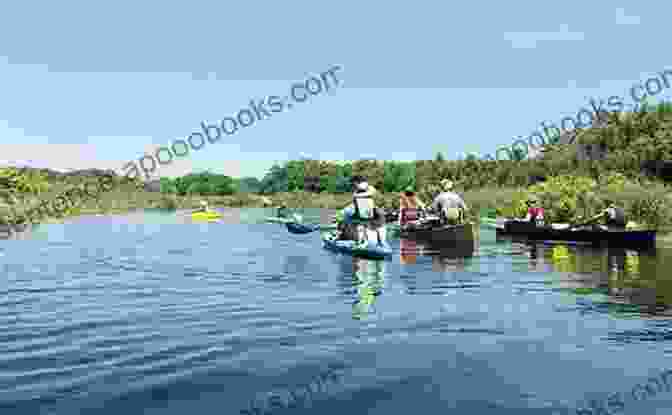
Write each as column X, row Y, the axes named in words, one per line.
column 206, row 215
column 586, row 234
column 301, row 228
column 278, row 220
column 369, row 250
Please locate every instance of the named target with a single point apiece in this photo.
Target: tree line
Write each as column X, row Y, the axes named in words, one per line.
column 208, row 183
column 632, row 140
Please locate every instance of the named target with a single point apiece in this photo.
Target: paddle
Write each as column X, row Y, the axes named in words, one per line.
column 300, row 228
column 590, row 221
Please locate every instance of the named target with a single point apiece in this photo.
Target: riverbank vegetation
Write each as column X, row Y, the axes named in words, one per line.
column 568, row 186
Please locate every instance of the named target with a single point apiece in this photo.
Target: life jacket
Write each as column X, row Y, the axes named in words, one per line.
column 536, row 212
column 618, row 218
column 364, row 205
column 536, row 215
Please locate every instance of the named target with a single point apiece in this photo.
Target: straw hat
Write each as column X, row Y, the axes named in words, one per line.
column 532, row 199
column 447, row 184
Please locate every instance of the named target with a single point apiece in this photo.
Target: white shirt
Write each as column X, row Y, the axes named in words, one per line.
column 372, row 236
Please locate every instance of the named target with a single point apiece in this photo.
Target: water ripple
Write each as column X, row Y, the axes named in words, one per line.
column 172, row 319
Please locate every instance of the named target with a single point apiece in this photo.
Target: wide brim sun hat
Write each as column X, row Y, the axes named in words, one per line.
column 447, row 184
column 532, row 200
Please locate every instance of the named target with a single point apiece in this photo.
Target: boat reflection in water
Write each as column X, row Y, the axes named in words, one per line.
column 446, row 256
column 620, row 282
column 16, row 232
column 368, row 280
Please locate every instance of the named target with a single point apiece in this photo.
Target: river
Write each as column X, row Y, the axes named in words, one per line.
column 149, row 313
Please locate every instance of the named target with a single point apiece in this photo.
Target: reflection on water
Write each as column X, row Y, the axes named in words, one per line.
column 362, row 280
column 617, row 281
column 19, row 232
column 105, row 316
column 620, row 282
column 369, row 279
column 446, row 257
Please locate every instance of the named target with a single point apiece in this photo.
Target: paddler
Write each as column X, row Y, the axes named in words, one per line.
column 614, row 217
column 357, row 215
column 450, row 205
column 410, row 206
column 204, row 208
column 535, row 213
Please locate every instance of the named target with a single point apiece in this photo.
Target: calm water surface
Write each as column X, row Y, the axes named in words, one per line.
column 149, row 313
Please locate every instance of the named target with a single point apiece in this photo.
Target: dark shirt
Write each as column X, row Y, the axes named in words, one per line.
column 615, row 217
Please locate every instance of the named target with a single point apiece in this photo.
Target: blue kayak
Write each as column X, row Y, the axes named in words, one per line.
column 369, row 250
column 300, row 228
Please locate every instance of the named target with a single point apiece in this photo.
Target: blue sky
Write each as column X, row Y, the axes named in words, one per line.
column 86, row 85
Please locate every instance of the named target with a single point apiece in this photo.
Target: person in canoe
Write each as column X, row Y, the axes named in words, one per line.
column 535, row 213
column 613, row 216
column 449, row 205
column 410, row 206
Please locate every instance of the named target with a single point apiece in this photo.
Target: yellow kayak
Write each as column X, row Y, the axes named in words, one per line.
column 206, row 215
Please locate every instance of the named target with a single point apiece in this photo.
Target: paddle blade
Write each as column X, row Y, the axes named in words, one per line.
column 299, row 228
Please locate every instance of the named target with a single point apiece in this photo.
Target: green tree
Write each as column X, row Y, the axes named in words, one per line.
column 249, row 185
column 167, row 185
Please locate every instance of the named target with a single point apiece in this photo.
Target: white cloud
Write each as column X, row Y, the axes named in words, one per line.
column 53, row 156
column 529, row 40
column 68, row 157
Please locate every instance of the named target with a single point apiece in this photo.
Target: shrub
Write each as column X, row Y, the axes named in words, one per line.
column 168, row 203
column 575, row 198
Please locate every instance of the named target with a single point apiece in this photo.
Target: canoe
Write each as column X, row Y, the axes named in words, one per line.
column 441, row 234
column 206, row 215
column 370, row 250
column 435, row 233
column 587, row 235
